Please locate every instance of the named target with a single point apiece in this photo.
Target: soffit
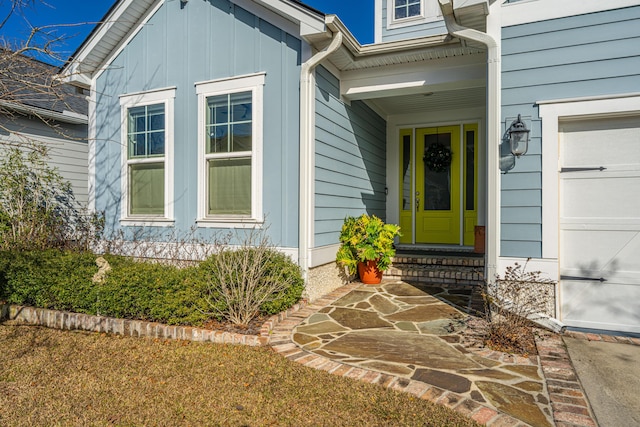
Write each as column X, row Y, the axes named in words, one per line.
column 438, row 101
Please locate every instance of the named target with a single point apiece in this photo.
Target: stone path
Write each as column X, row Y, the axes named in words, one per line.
column 402, row 336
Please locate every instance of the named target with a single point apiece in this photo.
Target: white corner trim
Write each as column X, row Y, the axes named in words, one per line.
column 525, row 12
column 551, row 113
column 91, row 141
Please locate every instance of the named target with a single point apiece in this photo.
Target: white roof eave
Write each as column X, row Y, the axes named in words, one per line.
column 127, row 16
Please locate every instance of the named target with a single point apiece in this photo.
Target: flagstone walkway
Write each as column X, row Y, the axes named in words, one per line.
column 406, row 337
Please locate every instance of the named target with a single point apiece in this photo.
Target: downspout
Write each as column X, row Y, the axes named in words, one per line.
column 307, row 151
column 493, row 130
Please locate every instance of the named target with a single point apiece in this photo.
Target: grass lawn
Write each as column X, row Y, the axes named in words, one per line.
column 50, row 377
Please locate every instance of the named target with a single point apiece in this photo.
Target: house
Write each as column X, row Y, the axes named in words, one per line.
column 232, row 114
column 34, row 109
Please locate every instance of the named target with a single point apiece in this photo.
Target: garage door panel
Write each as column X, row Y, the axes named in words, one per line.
column 600, row 224
column 600, row 251
column 606, row 305
column 600, row 197
column 610, row 141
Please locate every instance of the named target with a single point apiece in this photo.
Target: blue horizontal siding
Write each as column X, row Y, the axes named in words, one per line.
column 205, row 41
column 521, row 215
column 586, row 55
column 350, row 160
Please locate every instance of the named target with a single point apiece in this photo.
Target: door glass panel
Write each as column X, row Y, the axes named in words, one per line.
column 470, row 178
column 406, row 172
column 437, row 185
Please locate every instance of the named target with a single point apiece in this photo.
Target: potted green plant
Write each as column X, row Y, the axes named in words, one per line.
column 367, row 246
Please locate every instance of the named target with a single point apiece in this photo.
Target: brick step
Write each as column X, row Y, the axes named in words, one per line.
column 443, row 260
column 436, row 272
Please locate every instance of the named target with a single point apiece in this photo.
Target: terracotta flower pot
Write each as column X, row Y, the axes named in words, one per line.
column 369, row 273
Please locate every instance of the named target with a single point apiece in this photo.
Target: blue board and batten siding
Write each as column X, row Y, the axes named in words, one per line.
column 350, row 159
column 587, row 55
column 203, row 41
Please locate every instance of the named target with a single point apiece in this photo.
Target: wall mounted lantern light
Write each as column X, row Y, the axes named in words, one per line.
column 518, row 137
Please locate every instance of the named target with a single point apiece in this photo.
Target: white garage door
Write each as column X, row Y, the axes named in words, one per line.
column 600, row 223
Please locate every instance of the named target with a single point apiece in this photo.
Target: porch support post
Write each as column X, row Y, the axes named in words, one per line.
column 307, row 151
column 493, row 121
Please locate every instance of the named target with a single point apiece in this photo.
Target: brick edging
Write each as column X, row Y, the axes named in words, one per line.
column 134, row 328
column 569, row 403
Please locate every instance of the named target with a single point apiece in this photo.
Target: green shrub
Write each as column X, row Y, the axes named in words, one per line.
column 63, row 280
column 52, row 278
column 154, row 292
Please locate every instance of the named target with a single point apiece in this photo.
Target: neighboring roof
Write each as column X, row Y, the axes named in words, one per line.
column 29, row 86
column 126, row 16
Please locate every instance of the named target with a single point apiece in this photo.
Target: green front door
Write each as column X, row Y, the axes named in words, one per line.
column 438, row 184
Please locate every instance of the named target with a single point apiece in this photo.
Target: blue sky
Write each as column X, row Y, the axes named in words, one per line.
column 356, row 14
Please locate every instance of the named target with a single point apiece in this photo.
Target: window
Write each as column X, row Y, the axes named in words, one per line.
column 406, row 8
column 147, row 150
column 406, row 13
column 230, row 144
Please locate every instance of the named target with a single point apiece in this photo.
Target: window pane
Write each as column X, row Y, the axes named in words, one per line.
column 401, row 3
column 156, row 143
column 242, row 137
column 146, row 189
column 218, row 139
column 401, row 12
column 470, row 172
column 229, row 186
column 145, row 131
column 241, row 107
column 406, row 172
column 414, row 10
column 137, row 119
column 156, row 121
column 437, row 184
column 137, row 145
column 217, row 109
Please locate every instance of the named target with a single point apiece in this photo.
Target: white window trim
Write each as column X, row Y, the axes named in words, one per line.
column 393, row 23
column 255, row 84
column 164, row 96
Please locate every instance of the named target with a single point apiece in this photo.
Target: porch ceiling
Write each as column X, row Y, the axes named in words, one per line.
column 438, row 101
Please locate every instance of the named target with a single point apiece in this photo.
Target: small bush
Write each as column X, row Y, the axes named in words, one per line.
column 512, row 302
column 254, row 279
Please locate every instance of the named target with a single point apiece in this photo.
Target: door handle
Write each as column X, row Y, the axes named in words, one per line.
column 417, row 204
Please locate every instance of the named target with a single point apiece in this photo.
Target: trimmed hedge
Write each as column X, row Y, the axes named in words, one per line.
column 62, row 280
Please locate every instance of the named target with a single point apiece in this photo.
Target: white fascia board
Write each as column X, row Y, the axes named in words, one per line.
column 98, row 36
column 525, row 12
column 310, row 22
column 374, row 83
